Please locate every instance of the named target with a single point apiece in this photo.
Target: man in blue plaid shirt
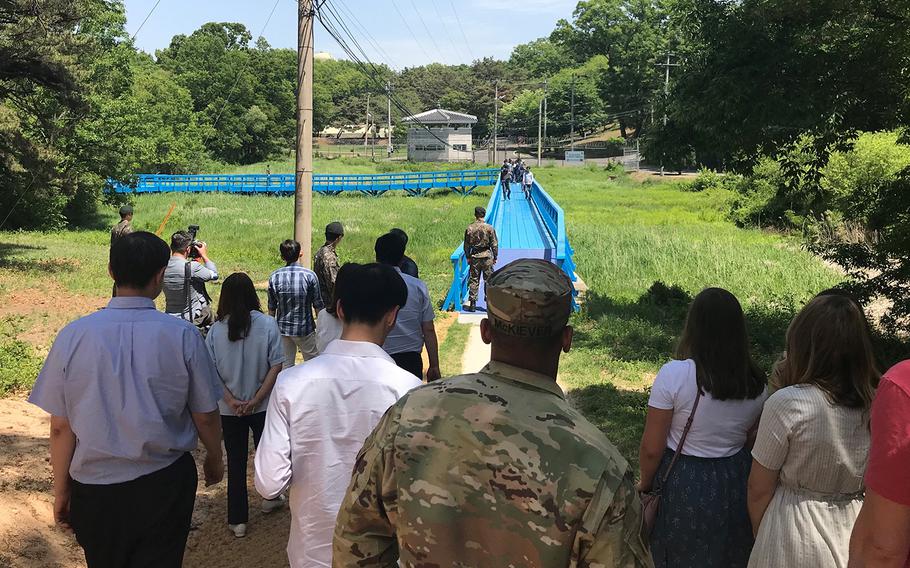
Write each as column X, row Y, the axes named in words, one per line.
column 293, row 297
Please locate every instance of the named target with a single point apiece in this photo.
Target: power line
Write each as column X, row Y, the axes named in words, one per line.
column 372, row 40
column 445, row 28
column 18, row 200
column 467, row 43
column 239, row 73
column 147, row 16
column 367, row 66
column 411, row 31
column 426, row 28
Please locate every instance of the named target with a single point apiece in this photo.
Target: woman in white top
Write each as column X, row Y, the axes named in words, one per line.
column 703, row 519
column 246, row 347
column 527, row 183
column 806, row 486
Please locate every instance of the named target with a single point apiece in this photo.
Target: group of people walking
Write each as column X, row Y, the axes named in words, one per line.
column 514, row 170
column 488, row 469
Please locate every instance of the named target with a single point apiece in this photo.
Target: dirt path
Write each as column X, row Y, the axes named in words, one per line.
column 477, row 354
column 29, row 539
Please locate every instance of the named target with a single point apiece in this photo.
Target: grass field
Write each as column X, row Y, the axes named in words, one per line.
column 644, row 250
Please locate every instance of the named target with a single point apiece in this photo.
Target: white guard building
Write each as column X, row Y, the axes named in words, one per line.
column 448, row 138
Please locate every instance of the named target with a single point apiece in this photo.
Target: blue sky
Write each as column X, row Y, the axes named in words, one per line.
column 492, row 27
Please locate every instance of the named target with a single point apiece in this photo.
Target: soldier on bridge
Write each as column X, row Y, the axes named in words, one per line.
column 481, row 247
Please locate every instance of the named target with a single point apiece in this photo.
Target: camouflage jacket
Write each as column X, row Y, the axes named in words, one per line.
column 326, row 266
column 493, row 469
column 121, row 229
column 480, row 241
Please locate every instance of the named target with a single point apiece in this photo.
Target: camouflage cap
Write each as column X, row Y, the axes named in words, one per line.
column 529, row 298
column 126, row 210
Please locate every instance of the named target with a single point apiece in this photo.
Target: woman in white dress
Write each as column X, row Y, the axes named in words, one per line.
column 806, row 484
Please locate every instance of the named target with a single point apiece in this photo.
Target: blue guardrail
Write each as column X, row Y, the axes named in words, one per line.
column 546, row 239
column 463, row 182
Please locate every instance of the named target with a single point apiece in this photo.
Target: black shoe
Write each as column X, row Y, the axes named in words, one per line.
column 470, row 309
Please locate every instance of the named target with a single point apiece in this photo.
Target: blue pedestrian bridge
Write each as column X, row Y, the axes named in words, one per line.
column 527, row 228
column 463, row 182
column 534, row 228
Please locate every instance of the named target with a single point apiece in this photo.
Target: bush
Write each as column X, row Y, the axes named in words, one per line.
column 18, row 366
column 710, row 179
column 852, row 179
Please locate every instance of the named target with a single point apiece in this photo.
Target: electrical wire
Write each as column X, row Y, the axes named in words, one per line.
column 147, row 16
column 411, row 31
column 237, row 77
column 372, row 41
column 445, row 28
column 367, row 67
column 467, row 43
column 426, row 28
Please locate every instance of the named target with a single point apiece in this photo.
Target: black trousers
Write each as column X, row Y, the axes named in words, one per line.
column 506, row 189
column 236, row 431
column 411, row 362
column 143, row 523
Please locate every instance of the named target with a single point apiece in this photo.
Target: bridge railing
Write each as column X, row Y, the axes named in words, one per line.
column 414, row 183
column 555, row 219
column 460, row 268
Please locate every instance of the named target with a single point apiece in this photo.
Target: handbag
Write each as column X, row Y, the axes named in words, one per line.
column 650, row 501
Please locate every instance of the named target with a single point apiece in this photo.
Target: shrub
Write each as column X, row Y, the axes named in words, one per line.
column 710, row 179
column 853, row 178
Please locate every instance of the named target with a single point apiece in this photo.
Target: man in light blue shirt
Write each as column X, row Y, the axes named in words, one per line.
column 128, row 389
column 414, row 327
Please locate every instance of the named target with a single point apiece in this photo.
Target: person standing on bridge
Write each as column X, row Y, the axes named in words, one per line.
column 481, row 247
column 505, row 176
column 527, row 183
column 325, row 265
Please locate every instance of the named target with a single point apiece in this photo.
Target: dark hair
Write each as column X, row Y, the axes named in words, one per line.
column 238, row 299
column 290, row 251
column 389, row 249
column 367, row 292
column 137, row 258
column 180, row 241
column 828, row 346
column 715, row 337
column 400, row 234
column 480, row 212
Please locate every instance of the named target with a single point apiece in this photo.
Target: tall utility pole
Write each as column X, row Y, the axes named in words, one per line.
column 546, row 85
column 572, row 128
column 388, row 90
column 303, row 190
column 667, row 66
column 366, row 132
column 539, row 130
column 495, row 119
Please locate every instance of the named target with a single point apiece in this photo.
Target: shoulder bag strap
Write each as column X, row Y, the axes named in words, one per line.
column 188, row 307
column 685, row 434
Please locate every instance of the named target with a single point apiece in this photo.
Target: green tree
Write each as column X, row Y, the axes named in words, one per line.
column 540, row 58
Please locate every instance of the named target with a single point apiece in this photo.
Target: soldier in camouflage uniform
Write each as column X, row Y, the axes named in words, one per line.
column 325, row 264
column 124, row 227
column 481, row 247
column 495, row 469
column 121, row 229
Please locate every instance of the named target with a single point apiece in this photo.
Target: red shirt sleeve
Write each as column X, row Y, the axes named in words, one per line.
column 888, row 473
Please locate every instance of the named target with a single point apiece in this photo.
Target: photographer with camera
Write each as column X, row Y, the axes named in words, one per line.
column 184, row 279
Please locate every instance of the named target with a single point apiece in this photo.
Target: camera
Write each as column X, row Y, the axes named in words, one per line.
column 194, row 247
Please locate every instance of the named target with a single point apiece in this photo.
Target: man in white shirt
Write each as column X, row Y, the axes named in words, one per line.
column 321, row 412
column 527, row 183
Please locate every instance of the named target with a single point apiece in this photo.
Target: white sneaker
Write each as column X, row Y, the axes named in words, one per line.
column 238, row 530
column 269, row 505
